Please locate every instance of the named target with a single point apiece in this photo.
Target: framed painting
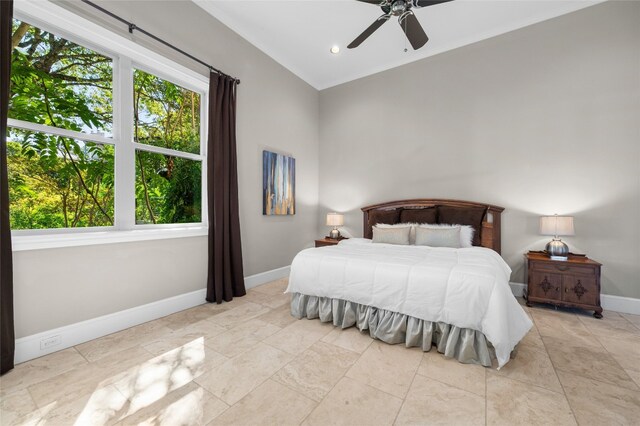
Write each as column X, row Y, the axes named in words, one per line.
column 278, row 184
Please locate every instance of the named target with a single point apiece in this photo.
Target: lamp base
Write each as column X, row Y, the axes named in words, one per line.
column 557, row 250
column 334, row 234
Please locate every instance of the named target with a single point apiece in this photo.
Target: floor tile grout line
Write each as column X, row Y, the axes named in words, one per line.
column 455, row 386
column 325, row 396
column 602, row 381
column 603, row 321
column 334, row 385
column 534, row 384
column 623, row 315
column 610, row 353
column 395, row 419
column 593, row 336
column 529, row 383
column 486, row 398
column 564, row 392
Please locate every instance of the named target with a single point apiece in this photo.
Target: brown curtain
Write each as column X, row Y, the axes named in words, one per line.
column 225, row 276
column 7, row 336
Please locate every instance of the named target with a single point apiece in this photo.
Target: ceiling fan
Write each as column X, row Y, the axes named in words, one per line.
column 407, row 20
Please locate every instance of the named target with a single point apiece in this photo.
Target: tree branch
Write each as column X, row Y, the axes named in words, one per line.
column 17, row 36
column 136, row 97
column 73, row 163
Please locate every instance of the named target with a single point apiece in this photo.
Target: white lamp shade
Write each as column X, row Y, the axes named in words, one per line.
column 556, row 225
column 335, row 219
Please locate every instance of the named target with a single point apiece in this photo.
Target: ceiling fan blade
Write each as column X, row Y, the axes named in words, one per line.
column 425, row 3
column 376, row 2
column 413, row 30
column 370, row 30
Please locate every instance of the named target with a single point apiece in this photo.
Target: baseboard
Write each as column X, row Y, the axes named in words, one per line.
column 266, row 277
column 29, row 347
column 517, row 289
column 625, row 305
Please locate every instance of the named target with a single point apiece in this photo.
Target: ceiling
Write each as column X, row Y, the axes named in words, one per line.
column 299, row 33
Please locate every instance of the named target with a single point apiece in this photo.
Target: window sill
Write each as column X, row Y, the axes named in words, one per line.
column 40, row 242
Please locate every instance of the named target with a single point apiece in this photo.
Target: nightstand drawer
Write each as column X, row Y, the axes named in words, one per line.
column 560, row 267
column 545, row 285
column 581, row 289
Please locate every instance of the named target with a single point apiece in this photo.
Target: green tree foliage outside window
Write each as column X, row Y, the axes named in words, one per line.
column 62, row 182
column 168, row 188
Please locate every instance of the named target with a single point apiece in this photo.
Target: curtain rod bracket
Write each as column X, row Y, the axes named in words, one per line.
column 131, row 28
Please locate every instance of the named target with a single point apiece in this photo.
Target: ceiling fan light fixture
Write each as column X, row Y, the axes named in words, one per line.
column 335, row 49
column 398, row 7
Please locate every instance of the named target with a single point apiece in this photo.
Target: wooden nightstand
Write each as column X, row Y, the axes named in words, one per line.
column 326, row 241
column 571, row 283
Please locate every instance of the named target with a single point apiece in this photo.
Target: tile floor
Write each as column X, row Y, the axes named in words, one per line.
column 249, row 362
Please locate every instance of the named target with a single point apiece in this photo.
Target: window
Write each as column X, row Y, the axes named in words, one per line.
column 77, row 160
column 168, row 186
column 61, row 94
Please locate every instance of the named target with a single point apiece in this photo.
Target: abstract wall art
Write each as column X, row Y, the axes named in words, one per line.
column 278, row 184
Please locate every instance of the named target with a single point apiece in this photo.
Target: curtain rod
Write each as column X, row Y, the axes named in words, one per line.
column 133, row 27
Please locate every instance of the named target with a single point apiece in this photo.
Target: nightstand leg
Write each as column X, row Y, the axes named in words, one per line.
column 598, row 313
column 529, row 304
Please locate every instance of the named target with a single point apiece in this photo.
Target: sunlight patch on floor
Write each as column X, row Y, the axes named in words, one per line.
column 186, row 410
column 151, row 381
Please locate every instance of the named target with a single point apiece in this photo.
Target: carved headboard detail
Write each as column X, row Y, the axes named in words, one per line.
column 489, row 234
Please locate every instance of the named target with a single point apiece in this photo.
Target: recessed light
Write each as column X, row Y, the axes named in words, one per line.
column 335, row 49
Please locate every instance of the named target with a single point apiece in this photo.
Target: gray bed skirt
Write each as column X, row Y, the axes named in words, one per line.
column 466, row 345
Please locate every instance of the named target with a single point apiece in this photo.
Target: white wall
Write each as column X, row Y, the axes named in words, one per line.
column 542, row 120
column 276, row 111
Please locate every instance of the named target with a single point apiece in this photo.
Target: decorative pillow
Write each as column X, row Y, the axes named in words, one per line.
column 398, row 236
column 384, row 216
column 424, row 215
column 466, row 232
column 438, row 237
column 391, row 217
column 464, row 216
column 412, row 233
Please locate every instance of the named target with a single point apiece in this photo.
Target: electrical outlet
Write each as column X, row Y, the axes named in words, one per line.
column 49, row 342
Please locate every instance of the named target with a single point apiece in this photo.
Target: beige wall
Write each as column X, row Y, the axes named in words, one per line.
column 276, row 110
column 541, row 120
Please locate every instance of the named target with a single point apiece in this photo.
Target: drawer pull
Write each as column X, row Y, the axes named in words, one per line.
column 557, row 288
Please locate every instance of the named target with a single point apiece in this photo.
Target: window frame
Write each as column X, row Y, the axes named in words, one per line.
column 121, row 50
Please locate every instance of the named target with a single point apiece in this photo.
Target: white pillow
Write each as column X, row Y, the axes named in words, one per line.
column 438, row 237
column 466, row 232
column 396, row 235
column 412, row 232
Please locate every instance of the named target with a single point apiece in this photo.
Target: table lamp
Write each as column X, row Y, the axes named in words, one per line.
column 557, row 226
column 335, row 220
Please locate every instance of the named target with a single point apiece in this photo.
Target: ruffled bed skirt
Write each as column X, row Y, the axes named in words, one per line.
column 466, row 345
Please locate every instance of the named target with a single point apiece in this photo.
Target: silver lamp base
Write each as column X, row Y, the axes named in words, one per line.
column 334, row 234
column 557, row 250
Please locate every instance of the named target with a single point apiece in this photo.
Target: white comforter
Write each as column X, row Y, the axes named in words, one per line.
column 467, row 287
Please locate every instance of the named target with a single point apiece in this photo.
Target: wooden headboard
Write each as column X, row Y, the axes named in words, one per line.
column 489, row 234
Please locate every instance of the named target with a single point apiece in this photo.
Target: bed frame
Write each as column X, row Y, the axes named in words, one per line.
column 489, row 234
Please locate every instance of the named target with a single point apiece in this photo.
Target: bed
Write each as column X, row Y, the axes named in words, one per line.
column 457, row 300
